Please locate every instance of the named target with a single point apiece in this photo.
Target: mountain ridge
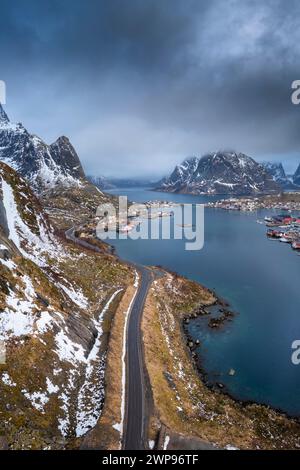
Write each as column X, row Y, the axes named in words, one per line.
column 279, row 175
column 43, row 165
column 222, row 172
column 52, row 306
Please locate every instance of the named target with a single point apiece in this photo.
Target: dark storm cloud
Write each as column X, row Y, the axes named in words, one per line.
column 138, row 85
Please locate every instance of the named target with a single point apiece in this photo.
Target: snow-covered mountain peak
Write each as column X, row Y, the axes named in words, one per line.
column 276, row 170
column 43, row 166
column 219, row 173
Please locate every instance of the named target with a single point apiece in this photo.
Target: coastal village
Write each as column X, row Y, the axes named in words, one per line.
column 127, row 221
column 283, row 201
column 284, row 227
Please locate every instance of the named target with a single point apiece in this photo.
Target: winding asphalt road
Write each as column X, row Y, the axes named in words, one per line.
column 135, row 418
column 135, row 394
column 134, row 423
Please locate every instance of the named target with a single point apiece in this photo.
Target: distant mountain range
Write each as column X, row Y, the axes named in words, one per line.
column 279, row 175
column 44, row 166
column 50, row 167
column 105, row 183
column 220, row 173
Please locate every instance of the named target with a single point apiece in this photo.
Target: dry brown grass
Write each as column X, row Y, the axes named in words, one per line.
column 182, row 402
column 104, row 436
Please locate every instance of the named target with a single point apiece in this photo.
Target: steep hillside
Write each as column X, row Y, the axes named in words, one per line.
column 54, row 320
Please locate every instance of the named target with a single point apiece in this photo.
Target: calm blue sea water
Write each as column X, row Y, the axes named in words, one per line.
column 259, row 278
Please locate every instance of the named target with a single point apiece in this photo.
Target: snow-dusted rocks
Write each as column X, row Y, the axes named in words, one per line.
column 278, row 174
column 296, row 177
column 42, row 165
column 182, row 175
column 219, row 173
column 51, row 311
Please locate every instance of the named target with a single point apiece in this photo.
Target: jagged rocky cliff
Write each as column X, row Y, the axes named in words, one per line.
column 43, row 166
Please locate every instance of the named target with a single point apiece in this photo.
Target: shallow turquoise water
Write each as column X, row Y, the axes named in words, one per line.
column 259, row 278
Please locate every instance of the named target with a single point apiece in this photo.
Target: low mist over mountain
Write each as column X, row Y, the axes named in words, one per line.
column 220, row 173
column 101, row 182
column 43, row 166
column 105, row 183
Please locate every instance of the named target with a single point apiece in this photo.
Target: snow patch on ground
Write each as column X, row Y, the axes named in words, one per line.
column 20, row 233
column 7, row 380
column 91, row 394
column 17, row 318
column 166, row 442
column 44, row 322
column 37, row 399
column 64, row 421
column 117, row 427
column 68, row 350
column 76, row 296
column 151, row 444
column 50, row 387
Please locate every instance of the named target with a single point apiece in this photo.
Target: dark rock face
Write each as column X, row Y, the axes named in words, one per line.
column 3, row 115
column 296, row 178
column 220, row 173
column 42, row 165
column 64, row 154
column 278, row 174
column 182, row 175
column 3, row 220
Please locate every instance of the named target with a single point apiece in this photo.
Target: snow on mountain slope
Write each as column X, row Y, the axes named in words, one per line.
column 219, row 173
column 182, row 175
column 51, row 324
column 43, row 166
column 27, row 226
column 278, row 174
column 276, row 170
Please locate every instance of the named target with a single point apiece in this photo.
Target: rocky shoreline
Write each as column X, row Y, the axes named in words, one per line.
column 192, row 345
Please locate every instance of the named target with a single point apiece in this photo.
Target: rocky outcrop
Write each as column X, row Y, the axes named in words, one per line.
column 53, row 299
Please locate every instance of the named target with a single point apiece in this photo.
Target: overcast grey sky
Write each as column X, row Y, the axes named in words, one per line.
column 138, row 85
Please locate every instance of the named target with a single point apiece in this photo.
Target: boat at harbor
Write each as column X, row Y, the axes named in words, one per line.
column 276, row 234
column 296, row 245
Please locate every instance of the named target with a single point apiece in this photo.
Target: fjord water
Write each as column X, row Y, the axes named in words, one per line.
column 260, row 280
